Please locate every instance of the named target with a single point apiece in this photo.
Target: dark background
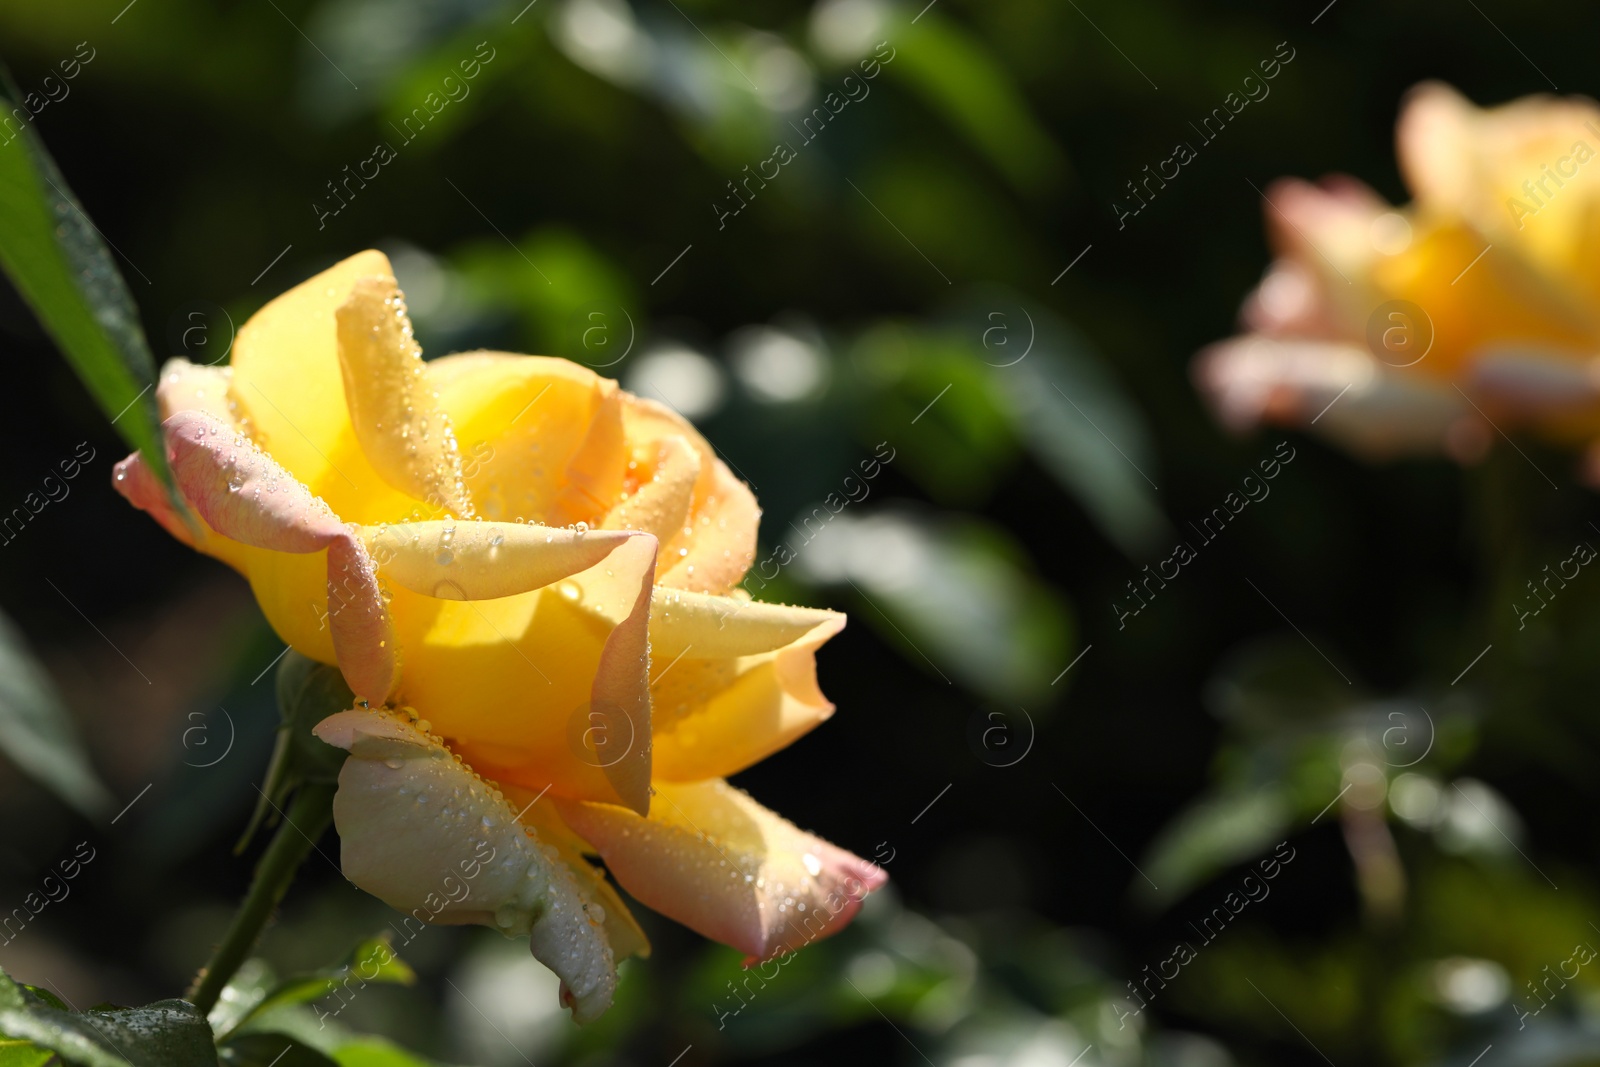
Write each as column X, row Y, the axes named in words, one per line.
column 200, row 136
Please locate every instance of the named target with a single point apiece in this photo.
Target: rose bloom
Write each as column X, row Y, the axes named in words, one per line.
column 1429, row 328
column 526, row 576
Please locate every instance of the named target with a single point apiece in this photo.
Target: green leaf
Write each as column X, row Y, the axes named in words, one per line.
column 61, row 266
column 168, row 1033
column 374, row 960
column 1209, row 837
column 959, row 79
column 35, row 730
column 961, row 597
column 247, row 988
column 376, row 1053
column 22, row 1054
column 270, row 1050
column 1074, row 416
column 48, row 997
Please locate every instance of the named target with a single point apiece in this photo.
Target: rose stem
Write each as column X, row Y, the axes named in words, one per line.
column 309, row 816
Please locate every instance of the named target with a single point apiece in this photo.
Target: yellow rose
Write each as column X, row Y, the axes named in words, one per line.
column 527, row 576
column 1424, row 328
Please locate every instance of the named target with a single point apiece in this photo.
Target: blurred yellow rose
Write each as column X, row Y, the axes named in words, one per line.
column 1427, row 328
column 527, row 577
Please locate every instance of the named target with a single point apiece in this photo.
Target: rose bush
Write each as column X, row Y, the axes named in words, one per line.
column 550, row 656
column 1476, row 307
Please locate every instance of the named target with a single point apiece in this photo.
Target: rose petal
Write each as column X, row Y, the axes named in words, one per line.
column 404, row 432
column 289, row 390
column 735, row 681
column 1256, row 380
column 363, row 634
column 622, row 680
column 242, row 492
column 593, row 477
column 1502, row 169
column 660, row 505
column 185, row 386
column 721, row 864
column 422, row 833
column 1527, row 382
column 484, row 560
column 536, row 440
column 133, row 479
column 244, row 495
column 516, row 683
column 717, row 544
column 1502, row 299
column 622, row 930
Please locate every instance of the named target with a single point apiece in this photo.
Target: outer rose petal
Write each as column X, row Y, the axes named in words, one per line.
column 1292, row 301
column 1327, row 227
column 132, row 478
column 425, row 835
column 185, row 386
column 1256, row 380
column 622, row 929
column 721, row 864
column 713, row 554
column 1529, row 382
column 403, row 432
column 736, row 680
column 243, row 494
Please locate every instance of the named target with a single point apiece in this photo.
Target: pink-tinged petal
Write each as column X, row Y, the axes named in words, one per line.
column 244, row 495
column 735, row 681
column 1336, row 231
column 133, row 479
column 1527, row 382
column 185, row 386
column 1336, row 389
column 242, row 492
column 363, row 633
column 621, row 691
column 1291, row 301
column 405, row 434
column 485, row 560
column 424, row 834
column 721, row 864
column 1326, row 224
